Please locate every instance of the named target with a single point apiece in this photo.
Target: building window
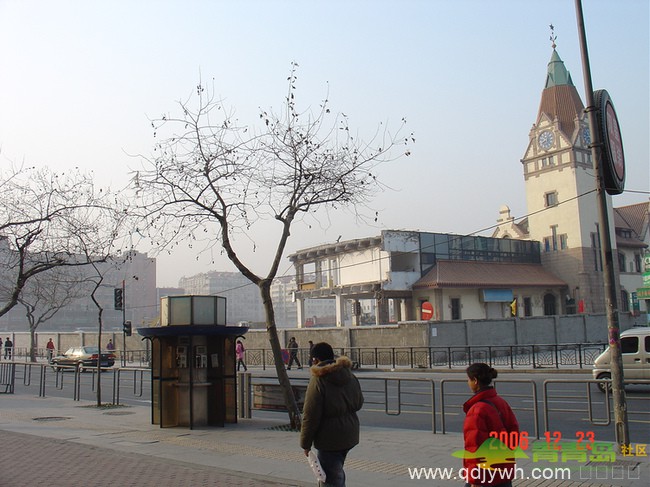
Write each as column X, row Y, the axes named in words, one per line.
column 637, row 262
column 621, row 262
column 625, row 301
column 547, row 244
column 549, row 305
column 550, row 199
column 564, row 241
column 528, row 307
column 595, row 246
column 455, row 308
column 554, row 237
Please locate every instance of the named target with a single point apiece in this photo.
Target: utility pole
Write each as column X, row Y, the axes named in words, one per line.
column 609, row 276
column 123, row 361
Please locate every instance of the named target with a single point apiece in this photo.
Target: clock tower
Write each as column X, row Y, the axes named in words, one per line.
column 560, row 191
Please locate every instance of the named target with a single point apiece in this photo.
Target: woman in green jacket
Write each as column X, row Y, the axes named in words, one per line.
column 329, row 420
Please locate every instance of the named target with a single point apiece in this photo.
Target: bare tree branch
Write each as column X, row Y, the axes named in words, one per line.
column 213, row 180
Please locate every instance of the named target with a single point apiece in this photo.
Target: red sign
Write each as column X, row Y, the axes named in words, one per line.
column 427, row 310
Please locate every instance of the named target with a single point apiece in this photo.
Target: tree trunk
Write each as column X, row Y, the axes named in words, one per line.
column 32, row 344
column 99, row 358
column 283, row 377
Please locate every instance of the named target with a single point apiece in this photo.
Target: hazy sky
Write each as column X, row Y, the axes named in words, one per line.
column 79, row 81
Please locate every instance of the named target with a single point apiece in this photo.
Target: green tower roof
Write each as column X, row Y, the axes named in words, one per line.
column 557, row 74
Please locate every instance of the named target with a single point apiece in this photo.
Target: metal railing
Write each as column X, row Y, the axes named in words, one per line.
column 505, row 356
column 528, row 391
column 138, row 358
column 391, row 396
column 574, row 398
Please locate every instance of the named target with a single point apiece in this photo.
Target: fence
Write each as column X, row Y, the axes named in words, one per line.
column 422, row 402
column 510, row 356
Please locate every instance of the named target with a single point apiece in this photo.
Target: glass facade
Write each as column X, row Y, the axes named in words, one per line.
column 445, row 246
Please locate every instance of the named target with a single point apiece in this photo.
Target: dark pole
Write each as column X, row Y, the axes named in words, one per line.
column 123, row 323
column 618, row 389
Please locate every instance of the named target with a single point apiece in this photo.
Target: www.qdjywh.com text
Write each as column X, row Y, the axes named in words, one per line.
column 438, row 473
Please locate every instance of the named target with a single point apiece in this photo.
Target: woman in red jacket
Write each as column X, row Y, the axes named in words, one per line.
column 487, row 416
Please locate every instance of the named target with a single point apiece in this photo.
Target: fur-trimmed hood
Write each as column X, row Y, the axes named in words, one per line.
column 338, row 370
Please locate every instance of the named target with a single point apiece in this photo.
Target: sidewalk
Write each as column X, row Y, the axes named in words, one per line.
column 59, row 442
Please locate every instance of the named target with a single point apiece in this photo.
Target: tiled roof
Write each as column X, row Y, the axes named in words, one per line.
column 634, row 217
column 562, row 102
column 460, row 273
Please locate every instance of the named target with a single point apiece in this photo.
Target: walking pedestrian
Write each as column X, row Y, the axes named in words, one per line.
column 50, row 351
column 311, row 353
column 293, row 353
column 239, row 352
column 329, row 418
column 8, row 348
column 486, row 414
column 110, row 345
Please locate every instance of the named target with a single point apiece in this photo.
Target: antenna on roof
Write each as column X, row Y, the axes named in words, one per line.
column 553, row 37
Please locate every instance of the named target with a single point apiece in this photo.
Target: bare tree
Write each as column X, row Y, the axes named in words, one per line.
column 37, row 209
column 98, row 233
column 45, row 295
column 50, row 221
column 214, row 181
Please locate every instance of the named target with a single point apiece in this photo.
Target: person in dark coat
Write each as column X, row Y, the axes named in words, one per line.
column 293, row 353
column 311, row 353
column 329, row 419
column 8, row 348
column 485, row 413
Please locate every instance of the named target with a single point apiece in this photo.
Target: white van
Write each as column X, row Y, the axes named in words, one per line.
column 635, row 351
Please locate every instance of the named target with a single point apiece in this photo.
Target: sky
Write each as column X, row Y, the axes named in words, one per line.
column 81, row 80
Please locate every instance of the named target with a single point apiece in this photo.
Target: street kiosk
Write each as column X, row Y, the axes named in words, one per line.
column 193, row 376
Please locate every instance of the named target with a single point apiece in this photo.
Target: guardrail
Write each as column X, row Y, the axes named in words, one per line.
column 525, row 393
column 407, row 398
column 140, row 357
column 505, row 356
column 571, row 397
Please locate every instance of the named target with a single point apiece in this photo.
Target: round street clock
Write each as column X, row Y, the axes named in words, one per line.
column 545, row 139
column 612, row 164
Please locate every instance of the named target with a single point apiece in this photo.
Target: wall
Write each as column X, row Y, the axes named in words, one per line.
column 513, row 331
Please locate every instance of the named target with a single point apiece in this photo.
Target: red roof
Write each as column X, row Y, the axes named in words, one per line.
column 462, row 273
column 562, row 102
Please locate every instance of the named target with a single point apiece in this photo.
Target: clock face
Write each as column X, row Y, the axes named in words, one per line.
column 546, row 139
column 586, row 136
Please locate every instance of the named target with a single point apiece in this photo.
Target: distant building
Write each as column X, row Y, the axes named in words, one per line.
column 244, row 302
column 547, row 263
column 138, row 273
column 562, row 203
column 462, row 277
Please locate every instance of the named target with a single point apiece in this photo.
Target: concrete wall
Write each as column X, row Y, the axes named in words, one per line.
column 512, row 331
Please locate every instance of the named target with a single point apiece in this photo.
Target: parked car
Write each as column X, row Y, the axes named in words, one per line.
column 635, row 352
column 84, row 357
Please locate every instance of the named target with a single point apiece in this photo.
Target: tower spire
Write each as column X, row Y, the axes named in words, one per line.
column 553, row 37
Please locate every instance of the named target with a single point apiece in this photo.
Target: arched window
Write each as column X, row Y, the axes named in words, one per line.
column 549, row 305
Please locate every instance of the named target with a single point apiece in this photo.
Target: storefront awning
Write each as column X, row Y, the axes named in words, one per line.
column 497, row 295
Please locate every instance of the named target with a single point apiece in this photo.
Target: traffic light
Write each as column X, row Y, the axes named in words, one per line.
column 119, row 301
column 127, row 328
